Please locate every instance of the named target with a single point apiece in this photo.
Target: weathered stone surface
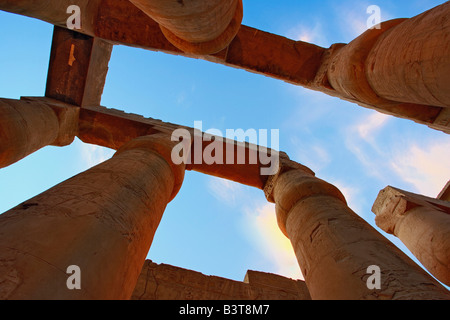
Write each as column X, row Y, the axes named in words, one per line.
column 78, row 68
column 335, row 247
column 164, row 282
column 198, row 27
column 421, row 223
column 112, row 128
column 274, row 287
column 347, row 71
column 68, row 118
column 445, row 193
column 354, row 70
column 29, row 125
column 411, row 62
column 299, row 62
column 102, row 220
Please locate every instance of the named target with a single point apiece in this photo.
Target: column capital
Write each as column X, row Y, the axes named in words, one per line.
column 162, row 145
column 421, row 223
column 196, row 27
column 347, row 71
column 292, row 184
column 67, row 114
column 30, row 124
column 393, row 204
column 285, row 165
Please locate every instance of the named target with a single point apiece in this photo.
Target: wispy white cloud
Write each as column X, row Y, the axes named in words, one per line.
column 426, row 168
column 225, row 191
column 421, row 163
column 353, row 17
column 311, row 154
column 93, row 155
column 371, row 125
column 362, row 141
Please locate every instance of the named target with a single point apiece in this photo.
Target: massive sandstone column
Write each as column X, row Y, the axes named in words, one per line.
column 198, row 27
column 421, row 223
column 404, row 61
column 102, row 220
column 29, row 125
column 335, row 247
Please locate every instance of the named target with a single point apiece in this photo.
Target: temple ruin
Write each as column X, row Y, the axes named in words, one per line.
column 113, row 210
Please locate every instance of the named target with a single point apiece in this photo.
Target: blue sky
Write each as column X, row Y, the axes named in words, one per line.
column 214, row 226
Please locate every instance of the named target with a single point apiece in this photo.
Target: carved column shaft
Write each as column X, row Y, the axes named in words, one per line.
column 102, row 220
column 335, row 247
column 29, row 125
column 411, row 62
column 199, row 27
column 401, row 68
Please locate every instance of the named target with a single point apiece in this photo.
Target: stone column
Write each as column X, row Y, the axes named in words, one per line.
column 411, row 62
column 400, row 68
column 29, row 125
column 102, row 221
column 335, row 247
column 198, row 27
column 421, row 223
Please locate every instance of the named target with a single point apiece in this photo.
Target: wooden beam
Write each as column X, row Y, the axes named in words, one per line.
column 78, row 68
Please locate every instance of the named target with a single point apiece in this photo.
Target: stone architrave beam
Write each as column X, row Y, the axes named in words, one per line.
column 297, row 62
column 78, row 68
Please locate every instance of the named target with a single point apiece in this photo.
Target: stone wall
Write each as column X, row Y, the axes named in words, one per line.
column 164, row 282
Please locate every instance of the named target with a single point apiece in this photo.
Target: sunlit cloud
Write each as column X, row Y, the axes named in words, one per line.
column 260, row 226
column 309, row 33
column 372, row 123
column 422, row 164
column 267, row 238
